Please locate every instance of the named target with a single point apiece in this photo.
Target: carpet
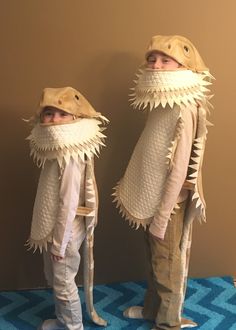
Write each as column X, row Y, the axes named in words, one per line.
column 211, row 302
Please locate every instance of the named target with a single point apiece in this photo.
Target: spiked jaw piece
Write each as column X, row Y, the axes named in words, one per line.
column 80, row 138
column 159, row 87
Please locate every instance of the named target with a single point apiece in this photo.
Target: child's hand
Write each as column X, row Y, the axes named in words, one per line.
column 55, row 258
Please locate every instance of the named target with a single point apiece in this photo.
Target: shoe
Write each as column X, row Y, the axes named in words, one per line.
column 51, row 324
column 69, row 313
column 134, row 312
column 186, row 323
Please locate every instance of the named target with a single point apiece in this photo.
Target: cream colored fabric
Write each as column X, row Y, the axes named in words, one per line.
column 45, row 207
column 159, row 87
column 169, row 150
column 171, row 192
column 179, row 48
column 140, row 190
column 53, row 147
column 91, row 218
column 88, row 280
column 91, row 198
column 56, row 205
column 81, row 138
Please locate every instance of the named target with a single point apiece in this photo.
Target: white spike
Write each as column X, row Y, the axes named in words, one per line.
column 195, row 195
column 193, row 175
column 197, row 152
column 195, row 159
column 198, row 145
column 192, row 181
column 194, row 166
column 198, row 203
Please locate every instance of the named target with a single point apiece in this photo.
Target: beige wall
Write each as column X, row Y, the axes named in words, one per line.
column 96, row 46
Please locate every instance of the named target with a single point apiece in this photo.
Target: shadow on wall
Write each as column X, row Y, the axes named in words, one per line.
column 116, row 243
column 18, row 185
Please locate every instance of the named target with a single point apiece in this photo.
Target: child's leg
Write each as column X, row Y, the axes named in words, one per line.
column 62, row 274
column 164, row 297
column 48, row 271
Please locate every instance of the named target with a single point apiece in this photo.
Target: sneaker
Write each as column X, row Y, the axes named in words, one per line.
column 186, row 323
column 134, row 312
column 51, row 324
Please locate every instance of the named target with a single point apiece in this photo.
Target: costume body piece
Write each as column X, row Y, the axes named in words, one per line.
column 65, row 209
column 168, row 195
column 69, row 233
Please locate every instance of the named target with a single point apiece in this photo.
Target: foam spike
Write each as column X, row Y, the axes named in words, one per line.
column 193, row 175
column 192, row 181
column 194, row 166
column 195, row 195
column 198, row 203
column 197, row 152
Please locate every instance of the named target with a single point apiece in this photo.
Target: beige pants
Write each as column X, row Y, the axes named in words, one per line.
column 60, row 276
column 167, row 267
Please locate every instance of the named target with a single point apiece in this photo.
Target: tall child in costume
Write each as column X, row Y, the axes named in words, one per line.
column 64, row 140
column 167, row 161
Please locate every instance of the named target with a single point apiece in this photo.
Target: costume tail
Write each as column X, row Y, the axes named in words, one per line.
column 88, row 280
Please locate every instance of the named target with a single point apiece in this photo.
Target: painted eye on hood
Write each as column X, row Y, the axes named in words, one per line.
column 186, row 49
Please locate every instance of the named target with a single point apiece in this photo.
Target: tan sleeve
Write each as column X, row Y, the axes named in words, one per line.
column 176, row 177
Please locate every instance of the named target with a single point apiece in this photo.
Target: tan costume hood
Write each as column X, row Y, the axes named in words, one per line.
column 69, row 100
column 179, row 48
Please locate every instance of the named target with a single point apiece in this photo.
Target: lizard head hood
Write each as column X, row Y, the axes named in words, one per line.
column 69, row 100
column 179, row 48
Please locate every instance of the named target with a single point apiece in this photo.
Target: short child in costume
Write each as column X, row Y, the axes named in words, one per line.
column 67, row 133
column 167, row 161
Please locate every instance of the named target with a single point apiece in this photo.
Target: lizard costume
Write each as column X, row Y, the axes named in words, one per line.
column 167, row 159
column 65, row 209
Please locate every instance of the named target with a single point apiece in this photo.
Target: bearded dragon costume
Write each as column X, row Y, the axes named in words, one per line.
column 162, row 187
column 65, row 209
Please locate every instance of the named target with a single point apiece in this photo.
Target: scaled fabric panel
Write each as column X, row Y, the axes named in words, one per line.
column 170, row 96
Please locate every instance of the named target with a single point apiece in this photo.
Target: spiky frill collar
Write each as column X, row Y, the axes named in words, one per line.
column 82, row 137
column 182, row 87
